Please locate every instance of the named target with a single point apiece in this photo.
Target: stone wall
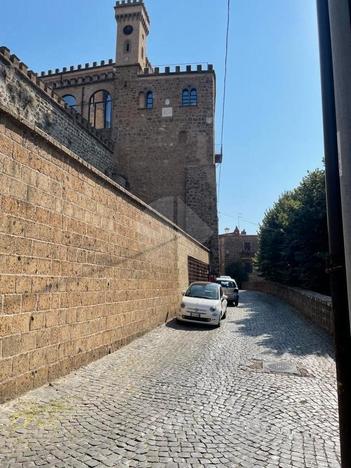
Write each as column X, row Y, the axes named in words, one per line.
column 85, row 266
column 312, row 305
column 31, row 99
column 167, row 153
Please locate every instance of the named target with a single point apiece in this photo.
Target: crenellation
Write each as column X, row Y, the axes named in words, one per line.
column 5, row 51
column 15, row 60
column 73, row 68
column 23, row 67
column 167, row 70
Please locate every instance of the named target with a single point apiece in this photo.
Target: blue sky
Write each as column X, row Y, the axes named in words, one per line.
column 273, row 126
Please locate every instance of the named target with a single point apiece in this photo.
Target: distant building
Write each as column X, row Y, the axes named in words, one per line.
column 235, row 247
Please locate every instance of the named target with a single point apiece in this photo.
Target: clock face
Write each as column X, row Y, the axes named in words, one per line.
column 128, row 30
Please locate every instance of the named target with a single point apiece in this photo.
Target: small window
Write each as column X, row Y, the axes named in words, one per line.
column 193, row 97
column 70, row 100
column 189, row 97
column 149, row 103
column 127, row 47
column 247, row 246
column 185, row 98
column 142, row 52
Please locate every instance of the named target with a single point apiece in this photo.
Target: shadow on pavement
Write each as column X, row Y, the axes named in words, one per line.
column 280, row 328
column 184, row 326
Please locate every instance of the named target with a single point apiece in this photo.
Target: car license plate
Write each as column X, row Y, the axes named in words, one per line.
column 193, row 314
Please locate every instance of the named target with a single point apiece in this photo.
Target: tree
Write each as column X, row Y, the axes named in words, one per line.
column 293, row 244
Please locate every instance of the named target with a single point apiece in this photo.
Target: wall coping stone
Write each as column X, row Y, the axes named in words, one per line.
column 293, row 296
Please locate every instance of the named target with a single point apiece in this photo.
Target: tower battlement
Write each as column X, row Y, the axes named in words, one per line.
column 121, row 3
column 167, row 70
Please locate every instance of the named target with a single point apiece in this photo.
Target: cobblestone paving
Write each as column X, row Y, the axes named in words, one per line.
column 188, row 396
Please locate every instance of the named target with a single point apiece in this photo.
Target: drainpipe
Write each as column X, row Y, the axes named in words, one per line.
column 331, row 25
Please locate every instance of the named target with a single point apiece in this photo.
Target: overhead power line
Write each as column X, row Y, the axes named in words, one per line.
column 224, row 93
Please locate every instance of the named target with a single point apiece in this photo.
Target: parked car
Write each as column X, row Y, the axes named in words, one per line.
column 230, row 289
column 203, row 303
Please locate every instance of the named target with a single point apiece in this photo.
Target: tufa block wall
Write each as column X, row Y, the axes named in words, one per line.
column 314, row 306
column 85, row 267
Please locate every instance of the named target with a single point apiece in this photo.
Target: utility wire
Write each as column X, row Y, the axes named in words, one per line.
column 224, row 93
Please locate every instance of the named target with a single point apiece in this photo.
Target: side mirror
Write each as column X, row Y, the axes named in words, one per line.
column 236, row 290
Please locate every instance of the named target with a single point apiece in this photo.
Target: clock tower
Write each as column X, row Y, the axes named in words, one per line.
column 132, row 30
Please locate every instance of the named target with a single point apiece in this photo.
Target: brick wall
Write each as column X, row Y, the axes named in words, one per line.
column 312, row 305
column 30, row 99
column 85, row 266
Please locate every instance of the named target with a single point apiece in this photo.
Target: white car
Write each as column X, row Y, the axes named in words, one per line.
column 203, row 303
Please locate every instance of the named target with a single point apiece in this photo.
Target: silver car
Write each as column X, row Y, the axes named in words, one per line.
column 230, row 289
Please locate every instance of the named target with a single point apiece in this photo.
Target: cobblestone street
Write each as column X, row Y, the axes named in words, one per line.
column 257, row 392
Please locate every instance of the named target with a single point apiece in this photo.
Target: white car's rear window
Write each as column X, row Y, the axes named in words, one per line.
column 226, row 284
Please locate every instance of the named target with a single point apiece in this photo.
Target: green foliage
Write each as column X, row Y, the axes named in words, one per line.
column 293, row 237
column 237, row 271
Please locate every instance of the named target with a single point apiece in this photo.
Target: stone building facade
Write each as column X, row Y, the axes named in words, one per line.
column 160, row 122
column 236, row 247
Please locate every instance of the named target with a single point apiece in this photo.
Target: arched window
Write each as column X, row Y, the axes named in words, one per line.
column 193, row 97
column 100, row 109
column 149, row 102
column 70, row 100
column 185, row 98
column 189, row 97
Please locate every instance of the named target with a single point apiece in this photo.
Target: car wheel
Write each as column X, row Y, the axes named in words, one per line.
column 218, row 324
column 236, row 303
